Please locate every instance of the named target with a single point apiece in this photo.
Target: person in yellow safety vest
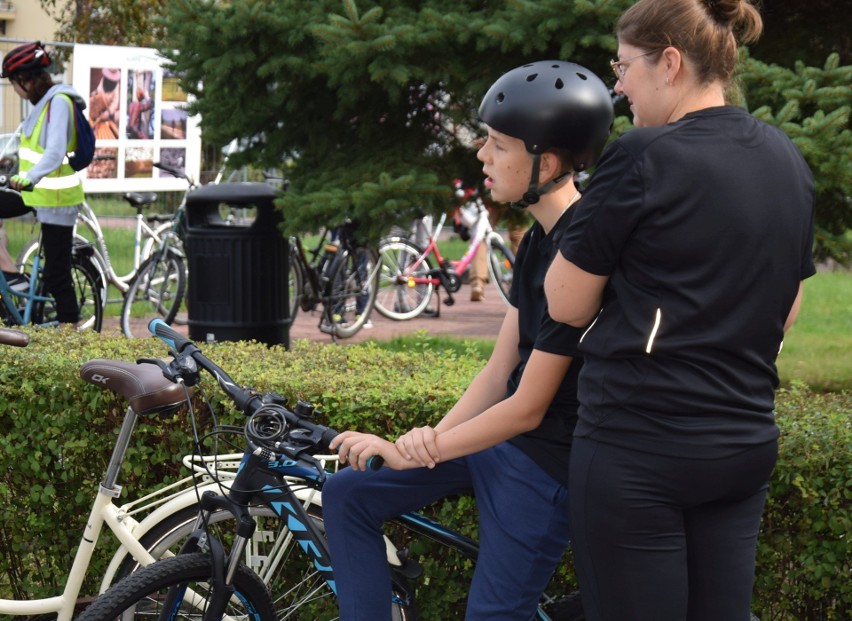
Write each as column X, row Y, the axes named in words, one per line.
column 45, row 178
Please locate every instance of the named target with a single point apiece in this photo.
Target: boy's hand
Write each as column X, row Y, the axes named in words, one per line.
column 420, row 445
column 20, row 183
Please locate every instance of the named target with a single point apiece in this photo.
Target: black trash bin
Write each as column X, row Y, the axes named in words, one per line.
column 237, row 265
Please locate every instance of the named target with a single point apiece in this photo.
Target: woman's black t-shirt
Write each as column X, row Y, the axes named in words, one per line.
column 704, row 228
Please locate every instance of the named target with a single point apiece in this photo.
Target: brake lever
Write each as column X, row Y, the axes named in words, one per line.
column 183, row 369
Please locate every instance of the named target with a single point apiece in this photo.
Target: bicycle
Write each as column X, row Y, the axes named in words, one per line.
column 341, row 275
column 408, row 277
column 280, row 459
column 158, row 287
column 31, row 304
column 148, row 233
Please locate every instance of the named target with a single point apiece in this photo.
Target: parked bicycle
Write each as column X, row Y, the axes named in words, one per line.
column 29, row 303
column 159, row 285
column 409, row 274
column 147, row 233
column 340, row 275
column 279, row 461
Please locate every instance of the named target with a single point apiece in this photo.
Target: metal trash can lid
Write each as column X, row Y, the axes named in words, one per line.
column 242, row 193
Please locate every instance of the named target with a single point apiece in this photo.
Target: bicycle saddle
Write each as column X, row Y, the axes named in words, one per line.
column 143, row 385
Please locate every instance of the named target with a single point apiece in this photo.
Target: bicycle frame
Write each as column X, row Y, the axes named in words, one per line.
column 10, row 298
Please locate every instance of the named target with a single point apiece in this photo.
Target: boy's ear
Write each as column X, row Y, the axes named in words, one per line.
column 550, row 167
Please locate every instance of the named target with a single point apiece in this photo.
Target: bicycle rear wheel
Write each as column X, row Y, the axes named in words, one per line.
column 399, row 296
column 351, row 292
column 187, row 579
column 501, row 262
column 87, row 290
column 156, row 291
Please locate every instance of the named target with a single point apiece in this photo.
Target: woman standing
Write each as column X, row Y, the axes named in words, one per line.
column 686, row 256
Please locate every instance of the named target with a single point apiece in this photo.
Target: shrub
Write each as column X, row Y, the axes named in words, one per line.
column 53, row 451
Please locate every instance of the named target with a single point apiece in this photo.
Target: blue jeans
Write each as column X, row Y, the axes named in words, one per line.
column 523, row 522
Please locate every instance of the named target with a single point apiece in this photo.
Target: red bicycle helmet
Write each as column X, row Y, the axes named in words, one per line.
column 30, row 57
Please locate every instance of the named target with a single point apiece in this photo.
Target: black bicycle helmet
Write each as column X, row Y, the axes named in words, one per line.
column 552, row 104
column 30, row 57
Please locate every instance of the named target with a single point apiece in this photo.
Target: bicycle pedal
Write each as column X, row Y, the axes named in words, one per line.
column 449, row 301
column 410, row 568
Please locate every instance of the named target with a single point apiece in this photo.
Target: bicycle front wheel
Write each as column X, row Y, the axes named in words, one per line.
column 501, row 263
column 180, row 588
column 400, row 296
column 156, row 291
column 351, row 292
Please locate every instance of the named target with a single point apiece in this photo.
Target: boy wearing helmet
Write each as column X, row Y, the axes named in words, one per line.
column 46, row 179
column 508, row 437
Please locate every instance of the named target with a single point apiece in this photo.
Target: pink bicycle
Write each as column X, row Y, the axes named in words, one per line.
column 409, row 275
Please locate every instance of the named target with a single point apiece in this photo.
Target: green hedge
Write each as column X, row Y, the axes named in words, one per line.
column 57, row 433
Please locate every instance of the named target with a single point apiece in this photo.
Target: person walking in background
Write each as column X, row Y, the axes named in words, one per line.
column 508, row 438
column 686, row 258
column 45, row 178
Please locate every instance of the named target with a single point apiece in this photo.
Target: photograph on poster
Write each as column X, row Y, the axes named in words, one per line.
column 139, row 114
column 173, row 124
column 140, row 104
column 105, row 164
column 174, row 157
column 171, row 87
column 138, row 162
column 105, row 102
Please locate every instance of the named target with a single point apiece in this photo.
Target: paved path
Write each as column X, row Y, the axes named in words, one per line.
column 463, row 319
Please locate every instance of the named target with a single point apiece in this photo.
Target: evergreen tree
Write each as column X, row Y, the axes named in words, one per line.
column 372, row 105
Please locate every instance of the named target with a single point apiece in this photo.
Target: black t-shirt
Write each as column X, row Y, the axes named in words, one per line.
column 704, row 227
column 549, row 445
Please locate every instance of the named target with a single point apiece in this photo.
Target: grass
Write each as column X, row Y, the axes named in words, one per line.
column 816, row 350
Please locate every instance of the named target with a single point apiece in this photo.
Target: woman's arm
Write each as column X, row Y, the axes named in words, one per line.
column 574, row 296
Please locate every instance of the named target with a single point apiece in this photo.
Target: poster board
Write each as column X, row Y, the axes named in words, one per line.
column 138, row 112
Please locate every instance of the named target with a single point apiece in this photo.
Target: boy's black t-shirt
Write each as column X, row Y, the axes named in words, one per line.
column 704, row 228
column 549, row 445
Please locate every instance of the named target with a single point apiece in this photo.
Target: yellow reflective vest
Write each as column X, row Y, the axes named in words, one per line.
column 60, row 188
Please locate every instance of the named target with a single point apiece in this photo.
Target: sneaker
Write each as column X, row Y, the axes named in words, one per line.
column 367, row 324
column 17, row 281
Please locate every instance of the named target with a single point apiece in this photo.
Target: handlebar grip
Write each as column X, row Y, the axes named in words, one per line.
column 16, row 338
column 375, row 462
column 165, row 333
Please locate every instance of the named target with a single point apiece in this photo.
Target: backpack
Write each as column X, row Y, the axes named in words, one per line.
column 83, row 155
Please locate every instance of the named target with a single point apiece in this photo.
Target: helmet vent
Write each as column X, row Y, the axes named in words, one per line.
column 559, row 84
column 501, row 97
column 531, row 77
column 582, row 76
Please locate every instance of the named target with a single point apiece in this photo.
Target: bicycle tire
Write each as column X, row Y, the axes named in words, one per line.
column 351, row 291
column 501, row 262
column 297, row 589
column 396, row 298
column 24, row 262
column 157, row 291
column 87, row 287
column 142, row 593
column 295, row 285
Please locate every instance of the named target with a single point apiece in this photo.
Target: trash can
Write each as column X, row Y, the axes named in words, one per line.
column 238, row 265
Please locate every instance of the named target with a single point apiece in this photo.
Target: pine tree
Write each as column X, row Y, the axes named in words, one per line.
column 373, row 104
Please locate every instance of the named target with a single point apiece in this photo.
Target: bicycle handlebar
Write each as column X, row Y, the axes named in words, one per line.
column 248, row 402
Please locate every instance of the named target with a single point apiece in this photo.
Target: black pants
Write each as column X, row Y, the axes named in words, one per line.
column 661, row 538
column 56, row 241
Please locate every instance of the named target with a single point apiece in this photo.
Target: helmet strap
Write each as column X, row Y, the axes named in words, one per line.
column 534, row 192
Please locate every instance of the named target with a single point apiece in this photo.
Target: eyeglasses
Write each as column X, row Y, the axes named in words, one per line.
column 619, row 67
